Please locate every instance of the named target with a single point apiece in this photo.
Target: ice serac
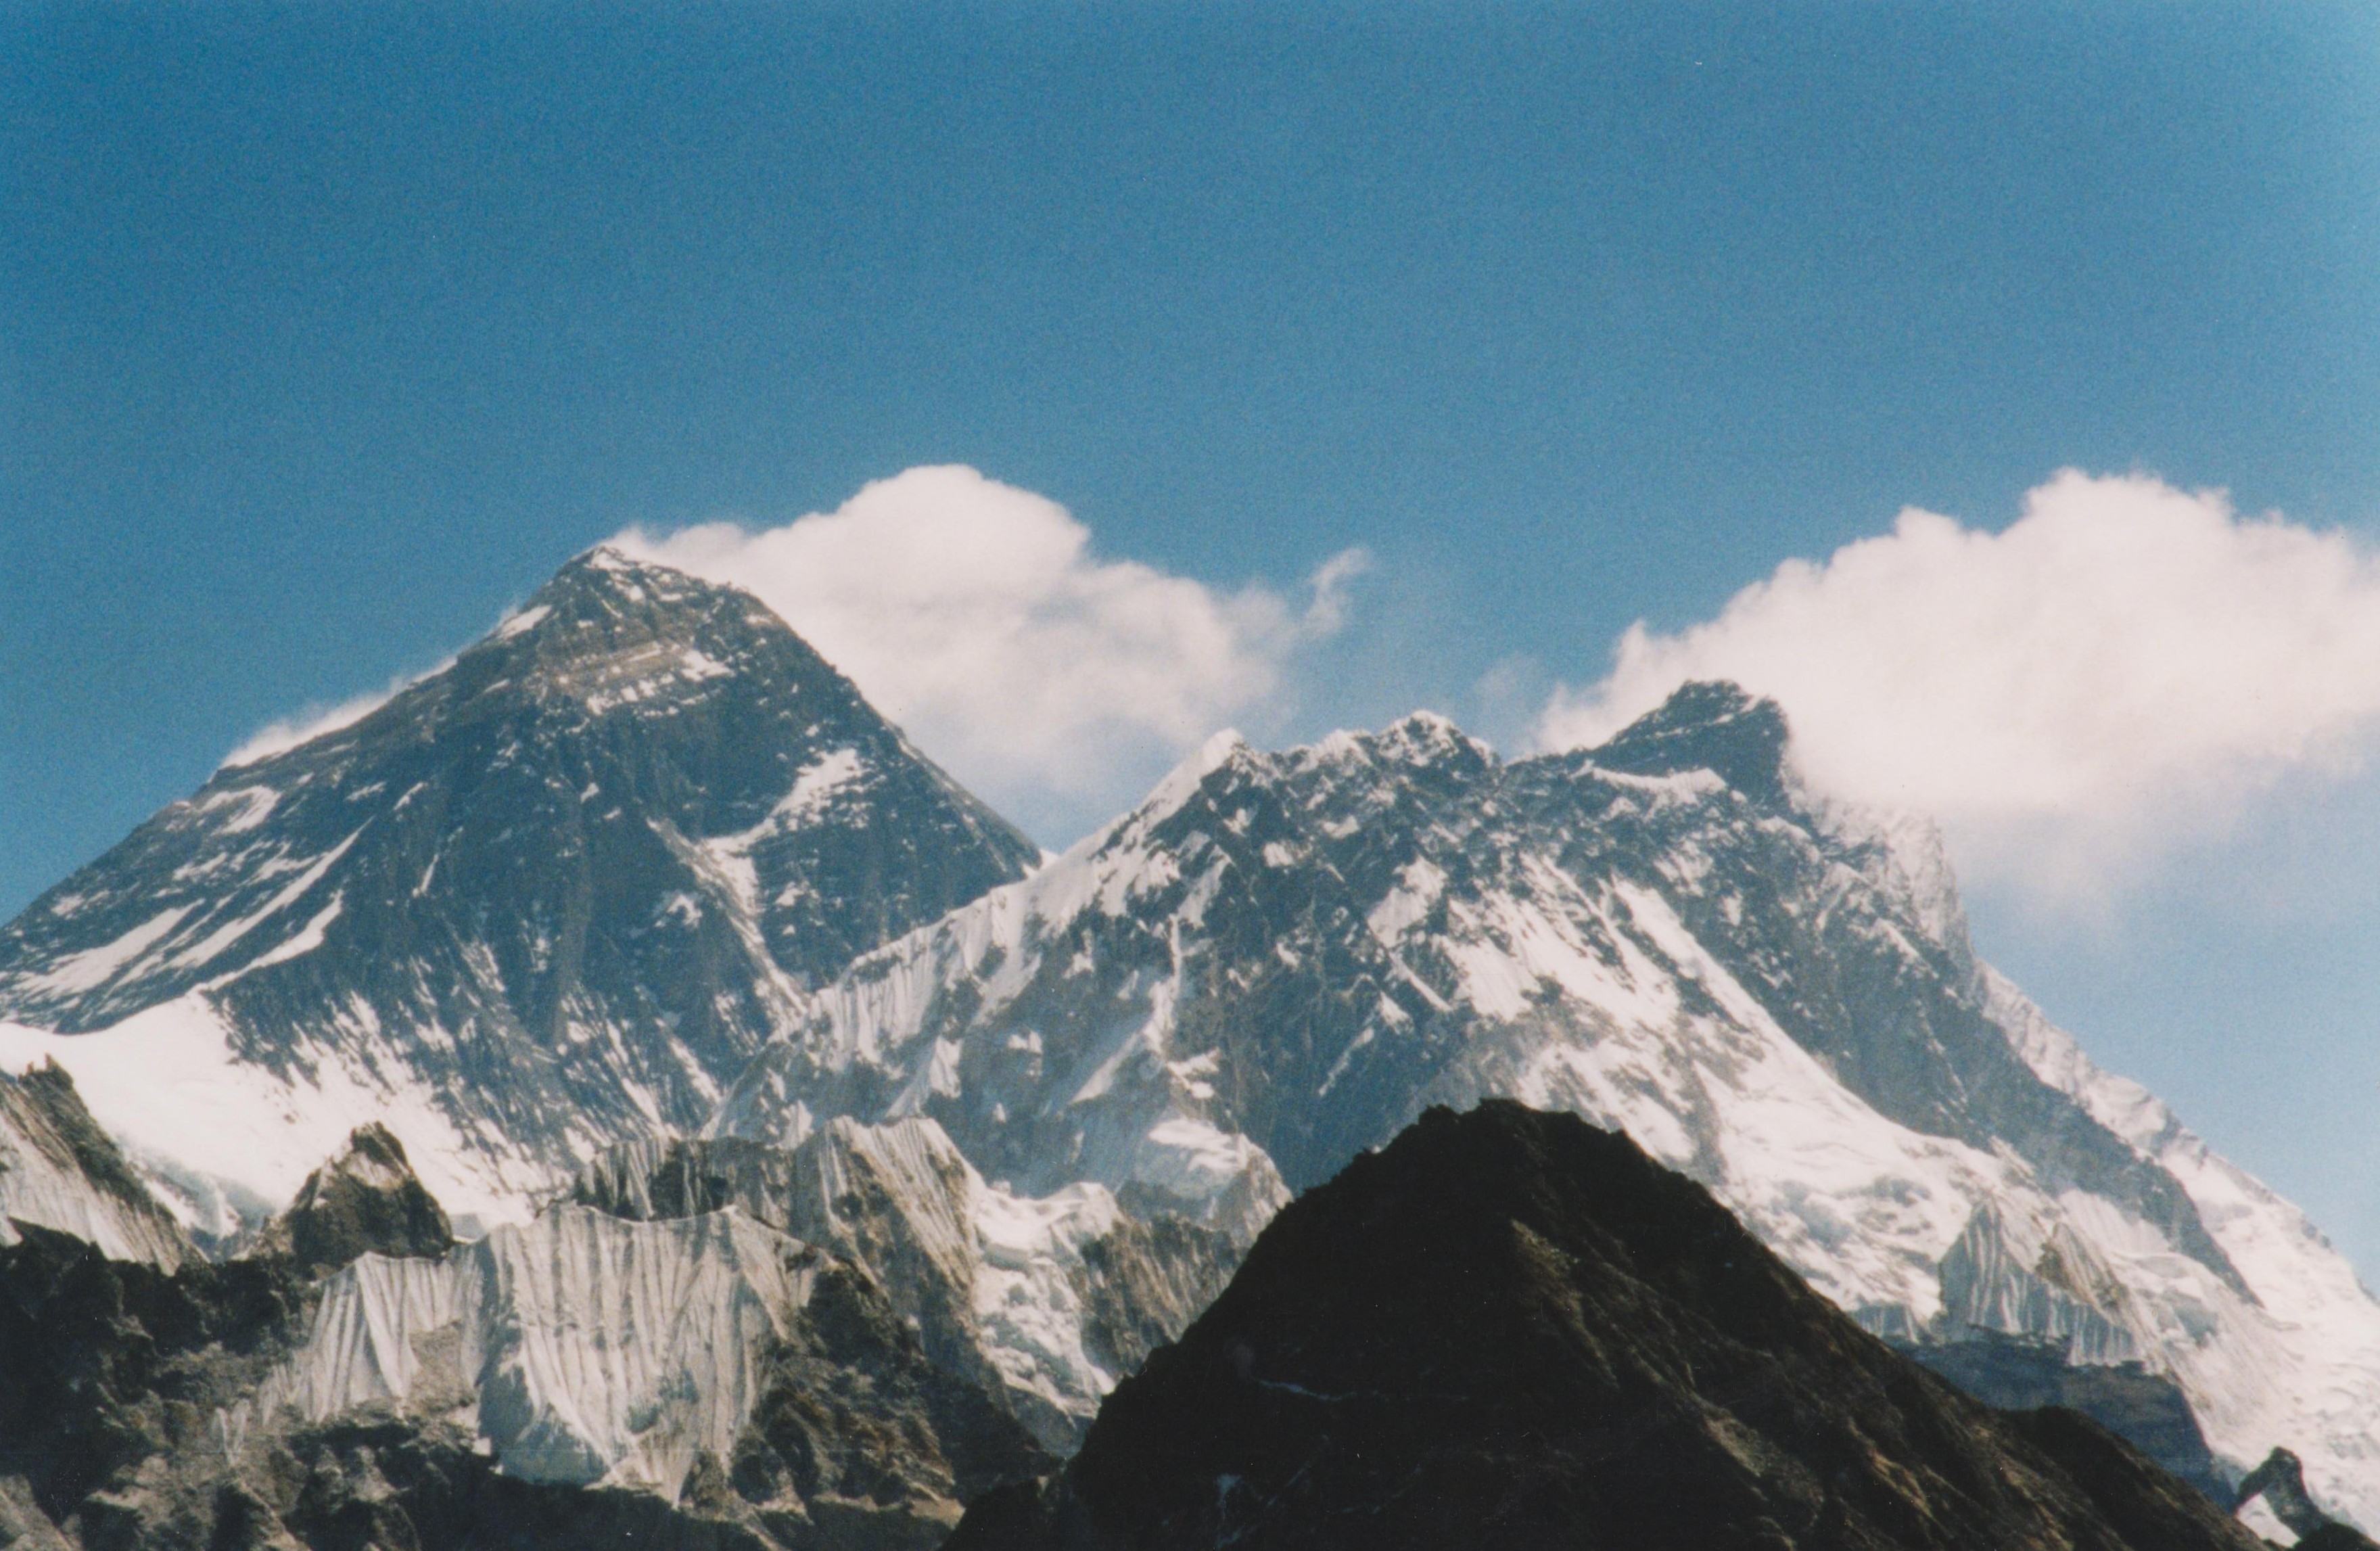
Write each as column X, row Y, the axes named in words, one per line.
column 1279, row 959
column 1044, row 1302
column 59, row 1170
column 1583, row 1350
column 553, row 896
column 588, row 1348
column 581, row 1379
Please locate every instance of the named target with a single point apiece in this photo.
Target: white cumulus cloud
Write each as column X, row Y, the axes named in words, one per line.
column 976, row 616
column 2112, row 674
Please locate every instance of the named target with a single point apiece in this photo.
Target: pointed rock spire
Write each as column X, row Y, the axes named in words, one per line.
column 366, row 1201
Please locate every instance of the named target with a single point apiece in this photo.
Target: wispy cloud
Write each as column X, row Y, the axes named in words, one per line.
column 977, row 616
column 288, row 731
column 2113, row 675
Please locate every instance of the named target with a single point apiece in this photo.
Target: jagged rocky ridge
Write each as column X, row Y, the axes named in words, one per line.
column 59, row 1170
column 551, row 897
column 707, row 1343
column 1280, row 959
column 1512, row 1329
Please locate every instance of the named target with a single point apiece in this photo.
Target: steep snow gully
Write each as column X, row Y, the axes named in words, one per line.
column 684, row 981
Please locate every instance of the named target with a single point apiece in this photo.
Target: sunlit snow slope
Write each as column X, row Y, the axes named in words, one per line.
column 1279, row 959
column 551, row 897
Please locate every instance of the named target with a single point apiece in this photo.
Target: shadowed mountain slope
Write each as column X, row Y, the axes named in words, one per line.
column 1512, row 1329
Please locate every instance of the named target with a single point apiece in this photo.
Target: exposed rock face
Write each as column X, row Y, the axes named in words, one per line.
column 366, row 1201
column 1510, row 1329
column 1045, row 1303
column 2281, row 1482
column 553, row 896
column 107, row 1365
column 830, row 1452
column 59, row 1170
column 1279, row 959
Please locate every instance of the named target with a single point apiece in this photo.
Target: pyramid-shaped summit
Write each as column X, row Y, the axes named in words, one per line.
column 1706, row 726
column 553, row 895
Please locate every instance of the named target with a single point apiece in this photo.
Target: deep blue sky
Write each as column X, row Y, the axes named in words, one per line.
column 325, row 331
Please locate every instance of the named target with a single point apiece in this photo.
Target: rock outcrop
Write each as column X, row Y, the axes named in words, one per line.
column 366, row 1201
column 2280, row 1480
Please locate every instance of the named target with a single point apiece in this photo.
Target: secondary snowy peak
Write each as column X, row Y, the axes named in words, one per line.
column 1044, row 1302
column 59, row 1170
column 550, row 897
column 1279, row 959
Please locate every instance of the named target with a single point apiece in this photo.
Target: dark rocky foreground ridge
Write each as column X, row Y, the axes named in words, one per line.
column 1512, row 1329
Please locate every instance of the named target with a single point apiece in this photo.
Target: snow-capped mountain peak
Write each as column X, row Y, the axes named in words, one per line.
column 551, row 896
column 1279, row 959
